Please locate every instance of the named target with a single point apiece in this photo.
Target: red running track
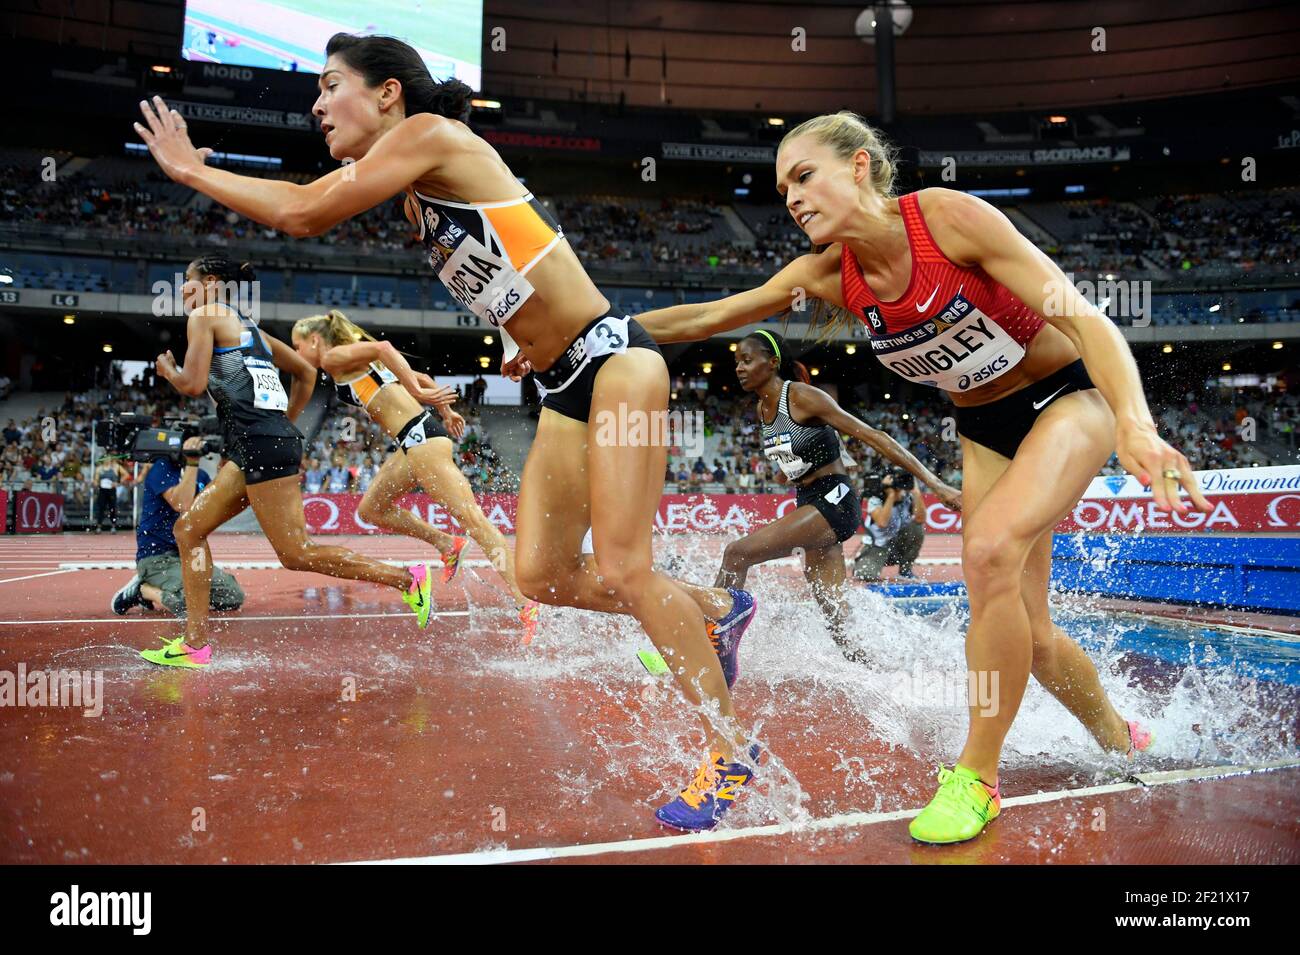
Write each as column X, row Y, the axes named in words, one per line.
column 459, row 740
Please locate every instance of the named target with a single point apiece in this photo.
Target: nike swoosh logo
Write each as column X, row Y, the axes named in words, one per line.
column 926, row 304
column 1038, row 405
column 172, row 656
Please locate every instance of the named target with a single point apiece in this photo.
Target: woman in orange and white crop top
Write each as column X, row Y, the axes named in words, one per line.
column 503, row 258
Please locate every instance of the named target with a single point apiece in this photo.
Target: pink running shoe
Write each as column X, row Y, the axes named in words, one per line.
column 451, row 558
column 1140, row 739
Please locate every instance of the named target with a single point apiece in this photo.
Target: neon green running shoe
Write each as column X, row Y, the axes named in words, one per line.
column 960, row 810
column 177, row 653
column 419, row 596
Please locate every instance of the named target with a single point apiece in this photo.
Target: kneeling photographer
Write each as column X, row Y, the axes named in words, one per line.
column 169, row 489
column 895, row 525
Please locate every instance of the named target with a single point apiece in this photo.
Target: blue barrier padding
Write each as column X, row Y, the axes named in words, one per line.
column 1252, row 573
column 950, row 588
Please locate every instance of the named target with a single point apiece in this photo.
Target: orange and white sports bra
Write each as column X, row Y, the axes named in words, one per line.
column 361, row 389
column 482, row 251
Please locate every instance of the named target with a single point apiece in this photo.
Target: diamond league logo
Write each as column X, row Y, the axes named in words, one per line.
column 1116, row 482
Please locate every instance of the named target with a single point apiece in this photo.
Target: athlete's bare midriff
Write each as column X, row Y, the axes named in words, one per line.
column 564, row 300
column 391, row 407
column 834, row 467
column 1048, row 352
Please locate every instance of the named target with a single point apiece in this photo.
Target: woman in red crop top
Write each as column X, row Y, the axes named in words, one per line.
column 1045, row 389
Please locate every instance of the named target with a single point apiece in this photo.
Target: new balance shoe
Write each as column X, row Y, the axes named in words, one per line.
column 1139, row 737
column 725, row 634
column 529, row 614
column 712, row 791
column 451, row 558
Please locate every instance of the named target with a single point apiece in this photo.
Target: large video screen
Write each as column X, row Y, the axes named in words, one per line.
column 291, row 34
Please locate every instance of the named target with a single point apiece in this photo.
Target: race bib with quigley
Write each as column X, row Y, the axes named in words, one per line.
column 958, row 349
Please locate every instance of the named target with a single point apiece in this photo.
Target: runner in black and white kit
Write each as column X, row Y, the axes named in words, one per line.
column 801, row 427
column 238, row 365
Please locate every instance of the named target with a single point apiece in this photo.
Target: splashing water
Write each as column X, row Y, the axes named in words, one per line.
column 1207, row 699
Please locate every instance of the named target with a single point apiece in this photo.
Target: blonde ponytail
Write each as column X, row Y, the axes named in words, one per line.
column 334, row 327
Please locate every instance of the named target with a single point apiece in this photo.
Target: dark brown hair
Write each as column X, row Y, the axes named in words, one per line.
column 380, row 58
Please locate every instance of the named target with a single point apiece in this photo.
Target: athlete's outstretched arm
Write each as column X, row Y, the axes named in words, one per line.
column 342, row 359
column 304, row 375
column 413, row 148
column 804, row 278
column 192, row 378
column 809, row 402
column 981, row 235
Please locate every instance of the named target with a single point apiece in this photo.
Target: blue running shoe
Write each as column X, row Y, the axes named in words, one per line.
column 702, row 804
column 725, row 634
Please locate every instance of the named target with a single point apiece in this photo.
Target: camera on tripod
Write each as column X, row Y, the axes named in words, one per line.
column 135, row 437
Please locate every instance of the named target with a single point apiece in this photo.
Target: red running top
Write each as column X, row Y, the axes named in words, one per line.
column 954, row 328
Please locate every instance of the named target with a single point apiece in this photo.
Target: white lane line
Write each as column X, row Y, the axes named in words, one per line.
column 796, row 562
column 240, row 619
column 845, row 821
column 238, row 564
column 241, row 563
column 49, row 573
column 1212, row 772
column 1248, row 631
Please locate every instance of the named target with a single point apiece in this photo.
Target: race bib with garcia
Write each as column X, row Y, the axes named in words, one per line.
column 957, row 350
column 480, row 280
